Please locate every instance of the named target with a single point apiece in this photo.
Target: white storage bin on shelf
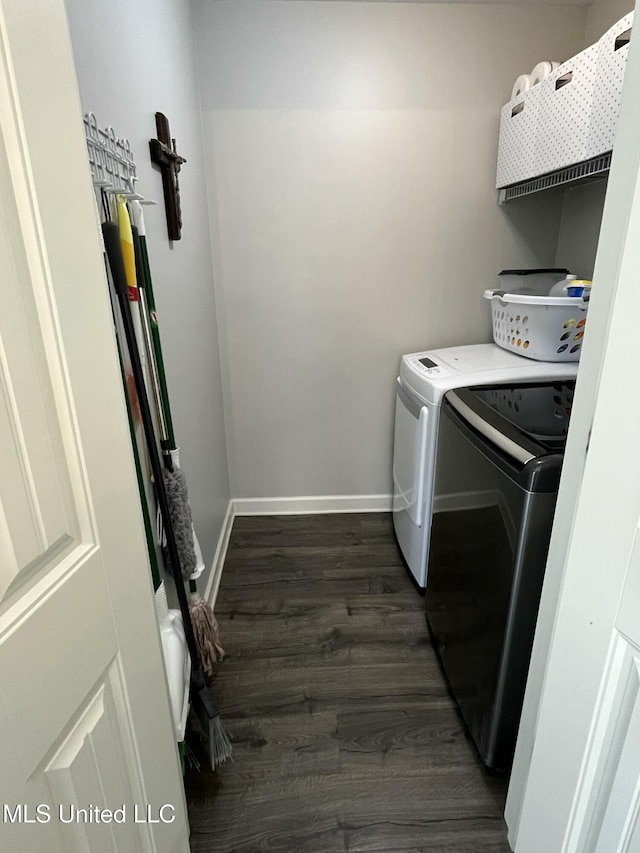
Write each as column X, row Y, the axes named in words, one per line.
column 545, row 328
column 517, row 148
column 613, row 49
column 564, row 114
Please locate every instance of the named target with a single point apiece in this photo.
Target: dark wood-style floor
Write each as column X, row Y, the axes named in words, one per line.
column 345, row 736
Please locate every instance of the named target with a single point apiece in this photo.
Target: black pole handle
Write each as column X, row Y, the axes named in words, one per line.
column 114, row 254
column 111, row 235
column 140, row 274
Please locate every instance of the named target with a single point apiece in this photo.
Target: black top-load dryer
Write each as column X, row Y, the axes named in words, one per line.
column 498, row 464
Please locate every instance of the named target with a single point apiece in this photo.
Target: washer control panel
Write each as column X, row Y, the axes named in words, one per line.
column 428, row 366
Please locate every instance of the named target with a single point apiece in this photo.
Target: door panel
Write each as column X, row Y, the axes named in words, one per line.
column 58, row 659
column 40, row 513
column 622, row 779
column 85, row 720
column 90, row 766
column 605, row 815
column 87, row 767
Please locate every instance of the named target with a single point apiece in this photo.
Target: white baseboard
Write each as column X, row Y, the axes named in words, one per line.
column 312, row 505
column 221, row 552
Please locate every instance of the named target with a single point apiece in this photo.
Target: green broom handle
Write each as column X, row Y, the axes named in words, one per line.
column 151, row 548
column 146, row 283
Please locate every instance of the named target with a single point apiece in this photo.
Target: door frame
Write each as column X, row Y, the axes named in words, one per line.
column 580, row 599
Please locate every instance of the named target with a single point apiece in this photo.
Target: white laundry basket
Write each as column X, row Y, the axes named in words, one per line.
column 545, row 328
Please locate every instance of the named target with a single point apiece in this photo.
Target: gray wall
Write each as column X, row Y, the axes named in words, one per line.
column 602, row 14
column 134, row 59
column 580, row 228
column 350, row 151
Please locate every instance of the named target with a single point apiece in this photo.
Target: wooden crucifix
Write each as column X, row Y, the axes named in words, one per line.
column 164, row 154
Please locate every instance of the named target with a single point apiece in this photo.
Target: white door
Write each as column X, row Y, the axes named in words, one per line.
column 88, row 756
column 583, row 789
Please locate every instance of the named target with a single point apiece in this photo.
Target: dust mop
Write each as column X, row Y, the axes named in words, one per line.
column 204, row 621
column 202, row 700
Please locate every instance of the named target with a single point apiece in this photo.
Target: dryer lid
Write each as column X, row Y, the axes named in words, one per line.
column 521, row 427
column 540, row 411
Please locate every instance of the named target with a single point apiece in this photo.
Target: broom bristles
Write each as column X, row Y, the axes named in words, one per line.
column 207, row 719
column 220, row 748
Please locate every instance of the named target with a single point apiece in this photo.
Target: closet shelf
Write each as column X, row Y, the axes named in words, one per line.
column 594, row 169
column 561, row 130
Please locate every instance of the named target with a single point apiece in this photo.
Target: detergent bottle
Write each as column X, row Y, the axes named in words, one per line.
column 560, row 287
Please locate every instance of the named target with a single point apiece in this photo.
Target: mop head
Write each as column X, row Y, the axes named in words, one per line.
column 205, row 628
column 175, row 484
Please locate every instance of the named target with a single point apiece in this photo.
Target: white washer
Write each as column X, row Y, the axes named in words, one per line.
column 424, row 379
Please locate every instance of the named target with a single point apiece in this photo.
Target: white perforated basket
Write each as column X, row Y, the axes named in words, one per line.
column 517, row 146
column 566, row 97
column 545, row 328
column 613, row 49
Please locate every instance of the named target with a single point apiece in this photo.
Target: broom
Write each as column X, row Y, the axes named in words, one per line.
column 204, row 621
column 176, row 683
column 203, row 703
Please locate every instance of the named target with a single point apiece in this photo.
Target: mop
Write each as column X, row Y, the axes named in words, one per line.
column 204, row 621
column 202, row 700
